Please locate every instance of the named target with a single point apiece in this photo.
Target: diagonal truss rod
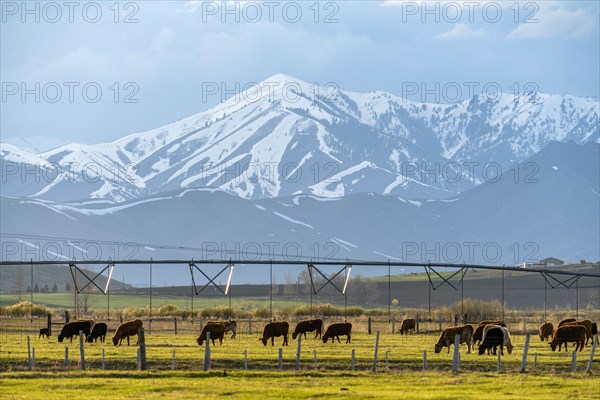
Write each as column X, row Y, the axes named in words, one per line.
column 429, row 270
column 567, row 283
column 210, row 280
column 328, row 280
column 91, row 281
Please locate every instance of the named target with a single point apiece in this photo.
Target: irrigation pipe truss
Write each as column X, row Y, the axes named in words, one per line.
column 354, row 263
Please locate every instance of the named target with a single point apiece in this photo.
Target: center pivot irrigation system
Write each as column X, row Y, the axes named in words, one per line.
column 553, row 278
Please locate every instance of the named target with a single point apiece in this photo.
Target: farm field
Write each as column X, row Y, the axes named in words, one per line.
column 333, row 376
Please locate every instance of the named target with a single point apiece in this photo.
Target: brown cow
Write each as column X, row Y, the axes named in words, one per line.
column 569, row 333
column 478, row 334
column 274, row 329
column 595, row 332
column 566, row 321
column 217, row 331
column 312, row 325
column 44, row 332
column 546, row 330
column 336, row 330
column 588, row 329
column 408, row 324
column 447, row 337
column 127, row 329
column 230, row 326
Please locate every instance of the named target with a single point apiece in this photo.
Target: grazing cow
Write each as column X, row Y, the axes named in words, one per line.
column 478, row 334
column 127, row 329
column 71, row 329
column 336, row 330
column 99, row 331
column 566, row 321
column 506, row 335
column 546, row 330
column 447, row 337
column 230, row 326
column 493, row 338
column 312, row 325
column 217, row 331
column 569, row 333
column 588, row 329
column 44, row 332
column 274, row 329
column 408, row 324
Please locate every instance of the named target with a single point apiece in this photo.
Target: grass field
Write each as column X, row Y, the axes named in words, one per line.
column 333, row 377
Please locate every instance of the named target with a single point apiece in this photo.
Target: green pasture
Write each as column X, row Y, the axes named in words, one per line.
column 403, row 377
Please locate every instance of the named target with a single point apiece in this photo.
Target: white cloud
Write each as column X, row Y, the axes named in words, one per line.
column 461, row 31
column 555, row 21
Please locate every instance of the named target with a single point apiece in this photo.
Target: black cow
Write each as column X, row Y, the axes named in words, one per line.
column 72, row 329
column 336, row 330
column 275, row 329
column 99, row 331
column 492, row 339
column 313, row 325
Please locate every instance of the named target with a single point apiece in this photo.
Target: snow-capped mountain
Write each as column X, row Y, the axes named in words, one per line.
column 286, row 137
column 554, row 212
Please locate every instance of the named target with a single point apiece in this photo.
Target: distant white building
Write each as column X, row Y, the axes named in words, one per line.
column 551, row 261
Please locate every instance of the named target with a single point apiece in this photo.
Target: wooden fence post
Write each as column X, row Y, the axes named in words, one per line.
column 250, row 326
column 175, row 324
column 81, row 350
column 455, row 354
column 142, row 342
column 369, row 325
column 525, row 350
column 298, row 352
column 376, row 350
column 280, row 364
column 66, row 357
column 418, row 321
column 574, row 361
column 32, row 357
column 393, row 325
column 66, row 316
column 535, row 361
column 589, row 366
column 49, row 324
column 28, row 353
column 499, row 362
column 207, row 352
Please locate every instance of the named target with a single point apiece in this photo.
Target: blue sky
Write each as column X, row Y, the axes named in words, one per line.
column 170, row 49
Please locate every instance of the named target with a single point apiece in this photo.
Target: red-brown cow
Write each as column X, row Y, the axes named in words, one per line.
column 546, row 330
column 127, row 329
column 568, row 333
column 447, row 337
column 407, row 325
